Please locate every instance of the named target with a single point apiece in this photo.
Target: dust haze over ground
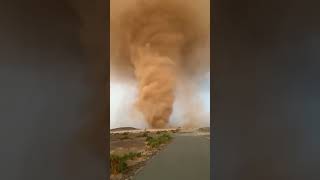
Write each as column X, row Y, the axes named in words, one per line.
column 160, row 63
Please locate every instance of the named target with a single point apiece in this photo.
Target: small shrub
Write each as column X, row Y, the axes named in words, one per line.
column 124, row 137
column 139, row 154
column 145, row 134
column 149, row 138
column 131, row 155
column 119, row 163
column 155, row 142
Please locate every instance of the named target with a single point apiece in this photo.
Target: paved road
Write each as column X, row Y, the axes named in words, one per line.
column 186, row 158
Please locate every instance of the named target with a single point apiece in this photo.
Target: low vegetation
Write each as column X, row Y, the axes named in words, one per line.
column 144, row 134
column 118, row 164
column 124, row 136
column 155, row 142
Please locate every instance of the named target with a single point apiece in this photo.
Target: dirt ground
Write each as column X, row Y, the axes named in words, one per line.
column 126, row 141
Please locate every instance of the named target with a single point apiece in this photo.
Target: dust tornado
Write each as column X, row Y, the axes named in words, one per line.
column 153, row 42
